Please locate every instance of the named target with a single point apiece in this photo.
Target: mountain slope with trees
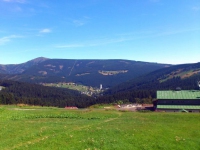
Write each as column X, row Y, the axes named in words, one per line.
column 32, row 94
column 139, row 90
column 143, row 89
column 85, row 72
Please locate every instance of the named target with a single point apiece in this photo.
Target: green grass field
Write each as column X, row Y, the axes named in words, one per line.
column 43, row 128
column 80, row 88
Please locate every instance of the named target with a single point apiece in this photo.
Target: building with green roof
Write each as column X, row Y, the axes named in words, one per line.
column 179, row 100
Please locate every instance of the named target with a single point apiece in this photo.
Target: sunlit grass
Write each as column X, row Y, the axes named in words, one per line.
column 54, row 128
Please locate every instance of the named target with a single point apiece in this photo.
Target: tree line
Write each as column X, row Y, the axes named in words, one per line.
column 140, row 92
column 33, row 94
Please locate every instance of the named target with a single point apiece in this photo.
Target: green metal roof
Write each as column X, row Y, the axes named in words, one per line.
column 178, row 107
column 183, row 94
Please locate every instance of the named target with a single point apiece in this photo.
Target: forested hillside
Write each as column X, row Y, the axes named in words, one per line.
column 184, row 76
column 85, row 72
column 18, row 92
column 24, row 93
column 143, row 89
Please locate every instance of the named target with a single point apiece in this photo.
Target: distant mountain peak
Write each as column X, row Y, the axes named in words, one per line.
column 19, row 68
column 38, row 60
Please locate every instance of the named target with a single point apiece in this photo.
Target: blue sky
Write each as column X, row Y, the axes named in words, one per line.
column 163, row 31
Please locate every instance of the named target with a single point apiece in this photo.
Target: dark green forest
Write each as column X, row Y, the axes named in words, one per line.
column 139, row 90
column 25, row 93
column 146, row 93
column 143, row 89
column 32, row 94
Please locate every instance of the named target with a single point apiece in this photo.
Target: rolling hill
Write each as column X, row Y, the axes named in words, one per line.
column 85, row 72
column 143, row 89
column 184, row 76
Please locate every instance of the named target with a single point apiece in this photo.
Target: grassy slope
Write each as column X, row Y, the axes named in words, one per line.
column 52, row 128
column 182, row 74
column 80, row 88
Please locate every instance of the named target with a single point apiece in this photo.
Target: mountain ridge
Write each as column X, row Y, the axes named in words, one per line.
column 90, row 72
column 19, row 68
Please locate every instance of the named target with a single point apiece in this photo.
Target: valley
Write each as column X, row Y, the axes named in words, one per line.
column 100, row 75
column 81, row 83
column 42, row 108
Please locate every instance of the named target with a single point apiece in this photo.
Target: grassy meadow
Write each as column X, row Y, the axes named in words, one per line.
column 46, row 128
column 80, row 88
